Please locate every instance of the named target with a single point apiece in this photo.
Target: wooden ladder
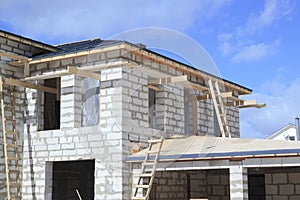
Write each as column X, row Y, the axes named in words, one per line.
column 142, row 189
column 11, row 157
column 219, row 108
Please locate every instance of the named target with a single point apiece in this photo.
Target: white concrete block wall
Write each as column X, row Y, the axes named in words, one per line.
column 19, row 96
column 70, row 102
column 238, row 181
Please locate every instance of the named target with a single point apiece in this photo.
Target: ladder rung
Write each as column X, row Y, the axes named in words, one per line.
column 152, row 152
column 15, row 184
column 145, row 175
column 11, row 132
column 138, row 198
column 142, row 186
column 12, row 158
column 7, row 106
column 10, row 119
column 15, row 197
column 155, row 141
column 12, row 145
column 148, row 163
column 13, row 171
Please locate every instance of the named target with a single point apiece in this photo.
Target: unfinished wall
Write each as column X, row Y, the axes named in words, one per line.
column 210, row 184
column 9, row 71
column 282, row 186
column 169, row 185
column 123, row 118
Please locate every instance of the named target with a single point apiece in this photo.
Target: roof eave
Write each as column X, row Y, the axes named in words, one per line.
column 28, row 41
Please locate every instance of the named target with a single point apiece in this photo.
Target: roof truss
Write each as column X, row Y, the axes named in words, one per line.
column 234, row 100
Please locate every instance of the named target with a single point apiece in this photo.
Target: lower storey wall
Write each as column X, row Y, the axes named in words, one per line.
column 282, row 186
column 210, row 184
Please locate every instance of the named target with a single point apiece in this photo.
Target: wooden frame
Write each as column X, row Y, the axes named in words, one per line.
column 181, row 67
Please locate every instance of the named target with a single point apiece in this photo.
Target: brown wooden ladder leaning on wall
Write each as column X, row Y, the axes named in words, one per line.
column 148, row 167
column 11, row 156
column 219, row 108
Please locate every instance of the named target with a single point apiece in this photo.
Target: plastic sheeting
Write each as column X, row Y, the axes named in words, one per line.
column 90, row 102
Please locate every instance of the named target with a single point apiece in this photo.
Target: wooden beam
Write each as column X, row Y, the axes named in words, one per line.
column 227, row 95
column 26, row 69
column 83, row 73
column 195, row 117
column 196, row 86
column 203, row 97
column 13, row 56
column 49, row 75
column 17, row 63
column 68, row 71
column 173, row 79
column 153, row 87
column 250, row 104
column 19, row 83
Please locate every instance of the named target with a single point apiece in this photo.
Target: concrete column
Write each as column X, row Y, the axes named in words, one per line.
column 71, row 92
column 238, row 181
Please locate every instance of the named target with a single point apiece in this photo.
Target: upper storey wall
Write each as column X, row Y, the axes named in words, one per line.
column 175, row 103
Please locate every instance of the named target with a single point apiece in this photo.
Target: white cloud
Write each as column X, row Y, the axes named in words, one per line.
column 70, row 20
column 273, row 11
column 241, row 44
column 255, row 52
column 282, row 107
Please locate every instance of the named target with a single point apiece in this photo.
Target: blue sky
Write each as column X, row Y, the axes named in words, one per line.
column 254, row 43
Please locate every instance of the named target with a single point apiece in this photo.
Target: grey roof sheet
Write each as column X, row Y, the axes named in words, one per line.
column 205, row 147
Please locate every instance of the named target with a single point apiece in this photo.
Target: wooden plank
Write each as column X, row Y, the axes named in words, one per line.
column 49, row 75
column 19, row 83
column 26, row 69
column 251, row 103
column 199, row 87
column 17, row 63
column 154, row 87
column 227, row 95
column 13, row 56
column 83, row 73
column 195, row 117
column 173, row 79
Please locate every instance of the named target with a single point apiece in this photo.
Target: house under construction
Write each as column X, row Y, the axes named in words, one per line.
column 108, row 119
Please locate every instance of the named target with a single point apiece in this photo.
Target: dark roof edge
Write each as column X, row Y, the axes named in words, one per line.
column 28, row 41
